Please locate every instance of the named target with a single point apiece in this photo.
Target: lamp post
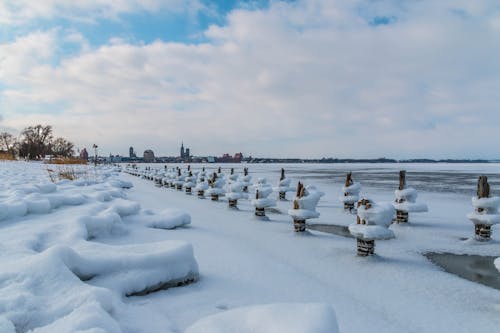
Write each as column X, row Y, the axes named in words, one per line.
column 95, row 154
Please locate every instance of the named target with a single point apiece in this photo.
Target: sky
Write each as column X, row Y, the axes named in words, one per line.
column 304, row 78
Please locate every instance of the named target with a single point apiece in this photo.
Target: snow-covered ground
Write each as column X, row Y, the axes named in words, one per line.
column 71, row 253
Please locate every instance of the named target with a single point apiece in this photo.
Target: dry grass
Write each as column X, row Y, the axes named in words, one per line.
column 6, row 156
column 66, row 160
column 67, row 172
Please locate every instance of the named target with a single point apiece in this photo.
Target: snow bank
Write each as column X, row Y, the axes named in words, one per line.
column 497, row 264
column 271, row 318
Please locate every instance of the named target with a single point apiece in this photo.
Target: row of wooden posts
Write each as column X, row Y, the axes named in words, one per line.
column 365, row 246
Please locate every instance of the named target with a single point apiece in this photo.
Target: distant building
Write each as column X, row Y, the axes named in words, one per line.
column 185, row 153
column 131, row 152
column 226, row 158
column 84, row 155
column 149, row 156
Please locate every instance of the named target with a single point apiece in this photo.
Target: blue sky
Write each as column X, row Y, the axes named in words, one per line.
column 269, row 78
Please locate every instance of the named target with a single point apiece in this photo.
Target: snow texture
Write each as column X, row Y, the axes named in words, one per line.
column 489, row 214
column 271, row 318
column 406, row 201
column 307, row 204
column 351, row 193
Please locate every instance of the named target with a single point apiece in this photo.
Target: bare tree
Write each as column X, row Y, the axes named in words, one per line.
column 8, row 143
column 35, row 141
column 62, row 147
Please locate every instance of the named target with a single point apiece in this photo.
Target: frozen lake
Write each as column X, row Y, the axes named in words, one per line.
column 426, row 177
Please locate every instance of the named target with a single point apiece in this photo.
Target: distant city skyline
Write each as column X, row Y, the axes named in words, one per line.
column 304, row 78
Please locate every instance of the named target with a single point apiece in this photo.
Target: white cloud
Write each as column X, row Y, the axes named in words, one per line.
column 311, row 78
column 18, row 12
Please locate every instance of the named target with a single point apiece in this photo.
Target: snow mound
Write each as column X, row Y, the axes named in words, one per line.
column 497, row 263
column 107, row 223
column 271, row 318
column 166, row 219
column 406, row 201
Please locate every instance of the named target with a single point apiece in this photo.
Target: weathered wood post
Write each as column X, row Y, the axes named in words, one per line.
column 259, row 211
column 189, row 182
column 485, row 211
column 372, row 222
column 299, row 223
column 179, row 180
column 245, row 174
column 406, row 200
column 214, row 195
column 351, row 192
column 282, row 194
column 401, row 216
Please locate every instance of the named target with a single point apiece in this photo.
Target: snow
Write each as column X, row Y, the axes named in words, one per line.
column 378, row 214
column 370, row 231
column 351, row 193
column 497, row 264
column 243, row 266
column 271, row 318
column 307, row 204
column 489, row 215
column 57, row 273
column 406, row 201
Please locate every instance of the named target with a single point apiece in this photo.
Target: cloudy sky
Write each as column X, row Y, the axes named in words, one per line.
column 311, row 78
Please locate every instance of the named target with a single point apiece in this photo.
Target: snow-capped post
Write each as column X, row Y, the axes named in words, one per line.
column 190, row 183
column 283, row 186
column 180, row 180
column 232, row 176
column 405, row 201
column 304, row 206
column 485, row 211
column 351, row 192
column 372, row 223
column 201, row 187
column 246, row 179
column 215, row 189
column 235, row 192
column 261, row 201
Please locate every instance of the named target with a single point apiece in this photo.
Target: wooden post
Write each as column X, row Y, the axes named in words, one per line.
column 282, row 195
column 348, row 182
column 482, row 232
column 401, row 216
column 188, row 188
column 366, row 247
column 232, row 203
column 201, row 194
column 299, row 224
column 179, row 186
column 215, row 197
column 232, row 171
column 245, row 173
column 259, row 211
column 402, row 180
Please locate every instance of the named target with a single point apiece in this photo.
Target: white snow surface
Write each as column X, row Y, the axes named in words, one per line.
column 370, row 231
column 497, row 264
column 58, row 274
column 271, row 318
column 242, row 261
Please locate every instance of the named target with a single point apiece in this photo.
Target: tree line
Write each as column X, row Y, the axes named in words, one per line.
column 35, row 142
